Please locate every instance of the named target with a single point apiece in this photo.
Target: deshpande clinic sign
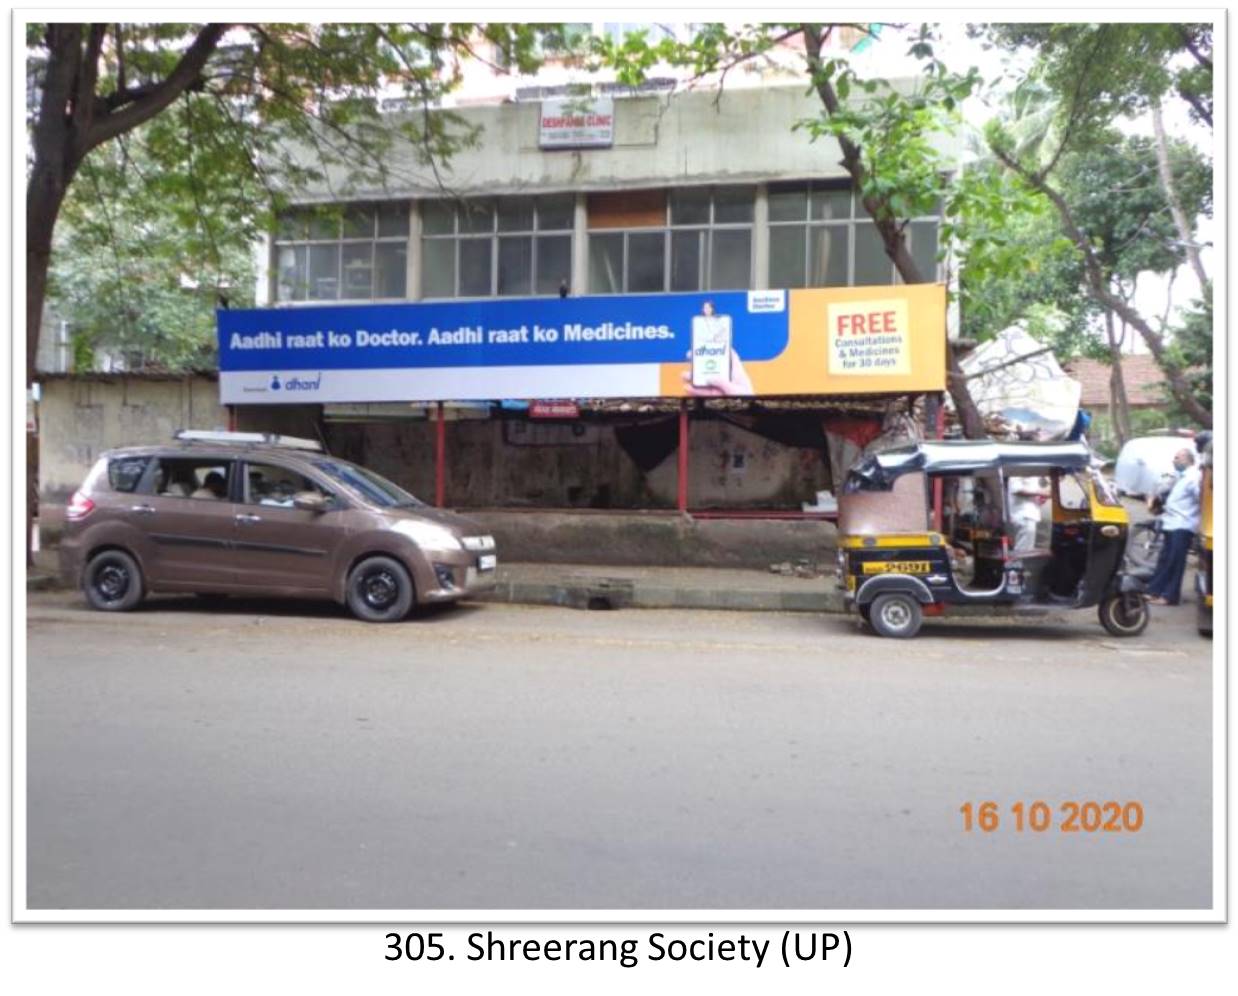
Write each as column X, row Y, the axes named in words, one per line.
column 844, row 340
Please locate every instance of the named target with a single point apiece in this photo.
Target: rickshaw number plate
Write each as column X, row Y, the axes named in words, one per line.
column 896, row 567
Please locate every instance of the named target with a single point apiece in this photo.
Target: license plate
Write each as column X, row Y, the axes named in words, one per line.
column 487, row 562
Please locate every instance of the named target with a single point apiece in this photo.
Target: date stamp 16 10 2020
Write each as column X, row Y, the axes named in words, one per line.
column 1038, row 816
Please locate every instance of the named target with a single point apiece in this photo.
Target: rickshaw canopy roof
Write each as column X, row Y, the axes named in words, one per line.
column 972, row 456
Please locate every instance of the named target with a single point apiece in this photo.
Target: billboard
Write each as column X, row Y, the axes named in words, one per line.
column 838, row 340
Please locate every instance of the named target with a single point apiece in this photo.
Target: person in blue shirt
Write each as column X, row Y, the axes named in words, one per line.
column 1179, row 523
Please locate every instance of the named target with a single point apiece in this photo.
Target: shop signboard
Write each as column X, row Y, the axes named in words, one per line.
column 576, row 123
column 838, row 340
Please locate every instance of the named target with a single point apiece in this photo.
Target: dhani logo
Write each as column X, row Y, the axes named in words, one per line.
column 301, row 383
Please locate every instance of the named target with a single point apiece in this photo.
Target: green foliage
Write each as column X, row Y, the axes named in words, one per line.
column 1191, row 349
column 1106, row 71
column 140, row 270
column 180, row 195
column 1116, row 196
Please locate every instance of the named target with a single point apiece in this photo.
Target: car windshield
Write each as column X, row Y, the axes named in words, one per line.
column 372, row 487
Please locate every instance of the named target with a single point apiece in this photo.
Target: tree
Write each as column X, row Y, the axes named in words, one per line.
column 1098, row 74
column 245, row 112
column 887, row 138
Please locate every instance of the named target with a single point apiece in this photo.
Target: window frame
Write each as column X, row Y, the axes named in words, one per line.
column 305, row 240
column 704, row 231
column 851, row 224
column 459, row 235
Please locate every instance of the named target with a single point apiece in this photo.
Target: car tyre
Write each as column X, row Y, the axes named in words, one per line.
column 1124, row 613
column 896, row 615
column 380, row 590
column 112, row 581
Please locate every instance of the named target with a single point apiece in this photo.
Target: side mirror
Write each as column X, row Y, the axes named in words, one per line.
column 312, row 501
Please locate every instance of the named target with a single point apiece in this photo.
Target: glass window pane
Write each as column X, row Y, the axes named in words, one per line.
column 390, row 269
column 515, row 215
column 872, row 265
column 475, row 268
column 438, row 268
column 733, row 205
column 686, row 261
column 924, row 249
column 605, row 264
column 690, row 206
column 359, row 222
column 730, row 262
column 827, row 255
column 786, row 256
column 293, row 225
column 829, row 205
column 554, row 263
column 438, row 217
column 324, row 224
column 516, row 265
column 324, row 273
column 358, row 271
column 476, row 216
column 556, row 212
column 646, row 270
column 392, row 219
column 788, row 202
column 291, row 282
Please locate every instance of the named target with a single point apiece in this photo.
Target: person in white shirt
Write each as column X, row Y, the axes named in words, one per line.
column 1027, row 494
column 1179, row 523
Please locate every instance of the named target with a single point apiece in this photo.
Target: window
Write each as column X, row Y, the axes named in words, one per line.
column 820, row 236
column 369, row 485
column 700, row 240
column 355, row 253
column 270, row 484
column 204, row 478
column 124, row 473
column 503, row 247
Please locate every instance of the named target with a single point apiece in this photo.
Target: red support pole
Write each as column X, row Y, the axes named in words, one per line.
column 440, row 459
column 232, row 418
column 681, row 501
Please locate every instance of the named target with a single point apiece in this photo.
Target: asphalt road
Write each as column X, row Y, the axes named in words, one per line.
column 282, row 756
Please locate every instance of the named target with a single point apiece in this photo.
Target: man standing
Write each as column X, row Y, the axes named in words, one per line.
column 1179, row 522
column 1026, row 496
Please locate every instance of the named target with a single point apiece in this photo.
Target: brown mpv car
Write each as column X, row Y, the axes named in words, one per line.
column 221, row 513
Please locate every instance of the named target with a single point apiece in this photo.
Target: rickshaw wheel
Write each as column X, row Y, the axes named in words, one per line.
column 1124, row 613
column 895, row 615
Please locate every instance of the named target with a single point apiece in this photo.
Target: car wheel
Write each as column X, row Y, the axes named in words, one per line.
column 895, row 615
column 1124, row 613
column 380, row 590
column 112, row 581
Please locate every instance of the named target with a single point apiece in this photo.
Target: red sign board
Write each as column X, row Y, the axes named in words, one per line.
column 554, row 409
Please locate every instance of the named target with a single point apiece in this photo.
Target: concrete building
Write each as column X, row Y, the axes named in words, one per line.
column 689, row 191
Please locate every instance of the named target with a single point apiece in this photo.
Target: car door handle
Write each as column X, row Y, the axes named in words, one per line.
column 142, row 509
column 245, row 519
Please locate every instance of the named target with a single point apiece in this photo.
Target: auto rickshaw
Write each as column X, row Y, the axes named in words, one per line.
column 1203, row 576
column 926, row 526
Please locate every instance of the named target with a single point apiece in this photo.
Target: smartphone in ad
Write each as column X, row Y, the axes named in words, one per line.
column 711, row 349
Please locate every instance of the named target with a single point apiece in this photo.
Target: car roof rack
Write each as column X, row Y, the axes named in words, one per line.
column 253, row 438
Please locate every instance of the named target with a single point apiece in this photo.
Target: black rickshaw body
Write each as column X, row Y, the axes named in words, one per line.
column 903, row 539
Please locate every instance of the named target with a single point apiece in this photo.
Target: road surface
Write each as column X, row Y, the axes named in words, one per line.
column 269, row 755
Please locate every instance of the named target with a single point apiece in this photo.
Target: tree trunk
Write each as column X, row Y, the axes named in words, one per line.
column 1179, row 386
column 891, row 236
column 1175, row 206
column 1120, row 413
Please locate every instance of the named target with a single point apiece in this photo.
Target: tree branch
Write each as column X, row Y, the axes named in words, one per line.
column 158, row 97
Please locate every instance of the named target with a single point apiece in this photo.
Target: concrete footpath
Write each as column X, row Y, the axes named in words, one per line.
column 584, row 586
